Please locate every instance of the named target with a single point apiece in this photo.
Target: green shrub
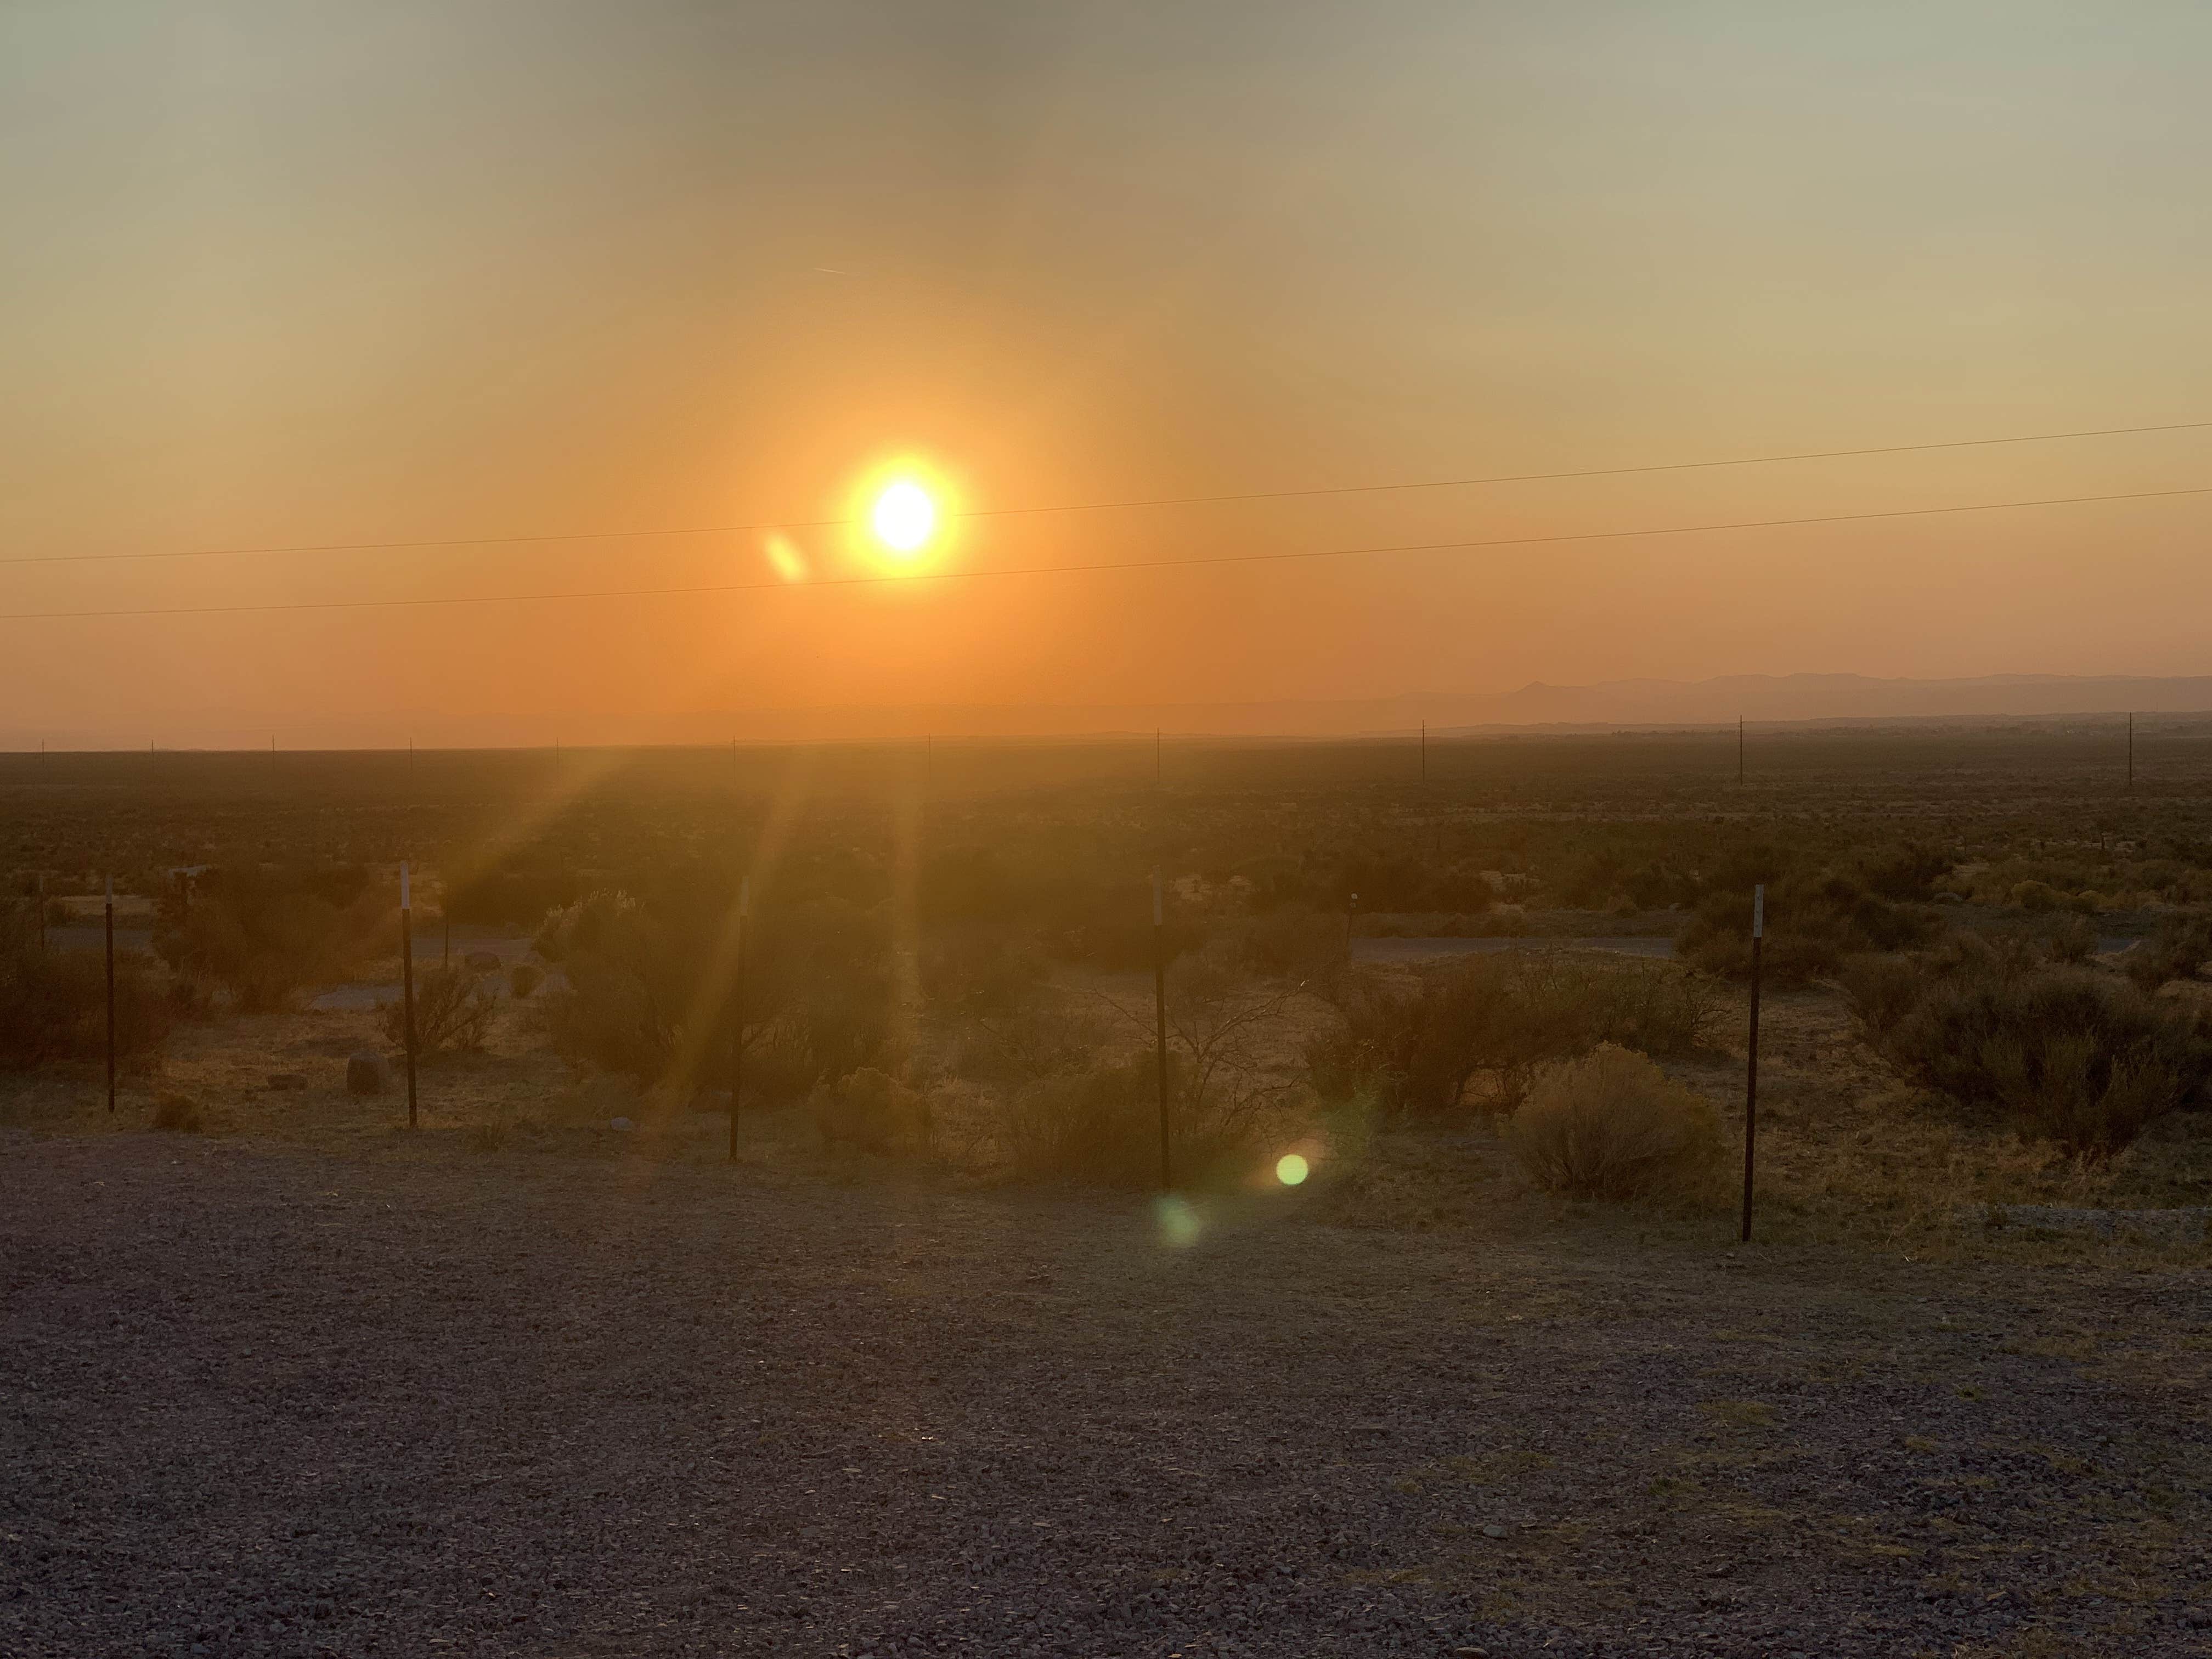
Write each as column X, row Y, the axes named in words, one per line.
column 53, row 1005
column 1504, row 1015
column 2069, row 1054
column 524, row 978
column 451, row 1013
column 1613, row 1126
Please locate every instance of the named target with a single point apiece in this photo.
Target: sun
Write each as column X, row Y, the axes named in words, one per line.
column 903, row 517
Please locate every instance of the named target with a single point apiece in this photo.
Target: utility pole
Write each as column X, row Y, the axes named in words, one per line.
column 1425, row 754
column 1739, row 751
column 1156, row 757
column 2131, row 754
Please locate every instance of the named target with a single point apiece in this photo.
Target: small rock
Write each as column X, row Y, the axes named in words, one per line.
column 620, row 1123
column 287, row 1080
column 1493, row 1531
column 364, row 1075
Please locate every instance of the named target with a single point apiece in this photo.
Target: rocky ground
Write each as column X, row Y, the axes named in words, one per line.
column 266, row 1400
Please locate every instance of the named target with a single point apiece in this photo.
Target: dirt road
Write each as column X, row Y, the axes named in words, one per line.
column 257, row 1401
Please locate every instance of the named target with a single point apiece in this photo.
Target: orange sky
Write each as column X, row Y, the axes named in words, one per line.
column 282, row 274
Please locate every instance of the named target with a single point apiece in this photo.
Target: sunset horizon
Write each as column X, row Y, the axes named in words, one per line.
column 1124, row 830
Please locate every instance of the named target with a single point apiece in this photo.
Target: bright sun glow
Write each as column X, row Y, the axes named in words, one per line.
column 904, row 517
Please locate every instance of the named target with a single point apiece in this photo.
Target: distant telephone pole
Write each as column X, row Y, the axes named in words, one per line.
column 1425, row 754
column 2131, row 754
column 1739, row 751
column 1156, row 755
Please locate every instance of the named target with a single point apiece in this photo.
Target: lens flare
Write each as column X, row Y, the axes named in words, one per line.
column 904, row 517
column 784, row 556
column 1291, row 1169
column 1178, row 1223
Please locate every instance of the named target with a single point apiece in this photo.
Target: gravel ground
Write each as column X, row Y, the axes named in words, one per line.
column 256, row 1400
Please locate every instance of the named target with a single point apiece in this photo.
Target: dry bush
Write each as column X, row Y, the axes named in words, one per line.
column 451, row 1013
column 266, row 931
column 2072, row 941
column 2177, row 950
column 53, row 1005
column 1054, row 1035
column 177, row 1115
column 2072, row 1055
column 1294, row 942
column 1101, row 1126
column 872, row 1111
column 524, row 978
column 649, row 993
column 1613, row 1126
column 1813, row 926
column 972, row 972
column 1502, row 1016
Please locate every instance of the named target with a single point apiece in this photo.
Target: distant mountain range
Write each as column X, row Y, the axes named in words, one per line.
column 1610, row 705
column 1816, row 698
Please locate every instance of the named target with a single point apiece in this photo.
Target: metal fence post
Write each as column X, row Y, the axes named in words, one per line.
column 1750, row 1056
column 1160, row 1029
column 109, row 910
column 737, row 1012
column 407, row 985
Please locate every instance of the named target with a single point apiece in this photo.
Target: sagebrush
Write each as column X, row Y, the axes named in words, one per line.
column 1613, row 1126
column 2072, row 1055
column 1419, row 1050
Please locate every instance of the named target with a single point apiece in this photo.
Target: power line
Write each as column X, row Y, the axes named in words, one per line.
column 1188, row 562
column 765, row 525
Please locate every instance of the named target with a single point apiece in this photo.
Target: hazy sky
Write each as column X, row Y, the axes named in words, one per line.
column 291, row 273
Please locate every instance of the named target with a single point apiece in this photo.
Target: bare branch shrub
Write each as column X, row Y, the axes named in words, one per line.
column 451, row 1013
